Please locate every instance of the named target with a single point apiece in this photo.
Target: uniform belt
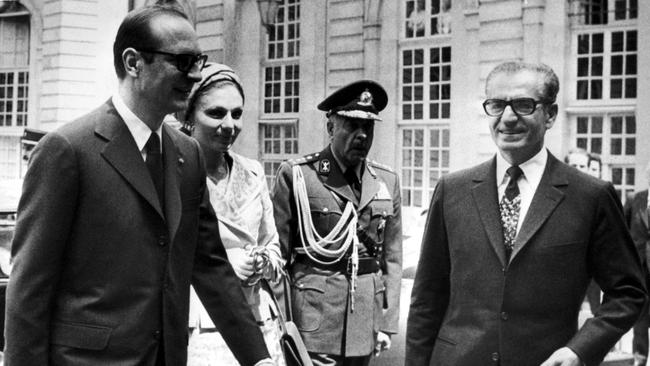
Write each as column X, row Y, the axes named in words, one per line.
column 366, row 265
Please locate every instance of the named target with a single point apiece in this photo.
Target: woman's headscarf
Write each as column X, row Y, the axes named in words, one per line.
column 211, row 73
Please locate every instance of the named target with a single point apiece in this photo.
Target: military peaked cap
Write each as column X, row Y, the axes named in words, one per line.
column 362, row 99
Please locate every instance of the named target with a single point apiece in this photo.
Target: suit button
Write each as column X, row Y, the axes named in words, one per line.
column 156, row 334
column 495, row 356
column 162, row 240
column 504, row 315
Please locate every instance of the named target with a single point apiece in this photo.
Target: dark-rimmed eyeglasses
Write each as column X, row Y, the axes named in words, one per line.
column 184, row 61
column 521, row 106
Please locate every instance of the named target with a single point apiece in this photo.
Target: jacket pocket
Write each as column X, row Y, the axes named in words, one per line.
column 84, row 336
column 308, row 302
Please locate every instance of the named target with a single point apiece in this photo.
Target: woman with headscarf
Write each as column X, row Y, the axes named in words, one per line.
column 240, row 197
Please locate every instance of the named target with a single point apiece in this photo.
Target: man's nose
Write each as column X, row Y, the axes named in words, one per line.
column 509, row 114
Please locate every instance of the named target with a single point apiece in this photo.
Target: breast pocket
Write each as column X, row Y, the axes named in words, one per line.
column 325, row 213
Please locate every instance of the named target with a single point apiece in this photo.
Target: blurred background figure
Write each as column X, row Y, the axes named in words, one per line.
column 637, row 213
column 579, row 159
column 240, row 197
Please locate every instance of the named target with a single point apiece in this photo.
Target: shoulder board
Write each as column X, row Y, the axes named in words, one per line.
column 375, row 164
column 304, row 160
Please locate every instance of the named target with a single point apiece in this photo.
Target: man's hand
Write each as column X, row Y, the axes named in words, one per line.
column 241, row 262
column 563, row 357
column 382, row 343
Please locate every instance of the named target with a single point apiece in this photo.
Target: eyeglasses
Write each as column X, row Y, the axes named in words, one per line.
column 521, row 106
column 220, row 113
column 184, row 61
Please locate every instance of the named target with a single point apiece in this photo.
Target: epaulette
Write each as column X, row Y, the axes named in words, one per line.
column 375, row 164
column 304, row 160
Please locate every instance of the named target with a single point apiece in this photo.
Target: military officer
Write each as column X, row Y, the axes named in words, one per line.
column 338, row 215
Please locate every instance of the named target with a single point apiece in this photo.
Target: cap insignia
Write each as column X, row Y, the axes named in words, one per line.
column 365, row 99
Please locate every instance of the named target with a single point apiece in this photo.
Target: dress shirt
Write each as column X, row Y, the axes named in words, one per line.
column 138, row 129
column 533, row 169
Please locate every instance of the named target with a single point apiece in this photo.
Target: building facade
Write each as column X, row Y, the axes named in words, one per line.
column 432, row 56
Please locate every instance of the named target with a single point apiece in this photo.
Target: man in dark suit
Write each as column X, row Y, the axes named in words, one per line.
column 511, row 245
column 112, row 227
column 637, row 213
column 339, row 220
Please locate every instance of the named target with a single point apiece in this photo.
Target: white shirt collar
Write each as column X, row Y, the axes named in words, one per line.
column 136, row 126
column 533, row 168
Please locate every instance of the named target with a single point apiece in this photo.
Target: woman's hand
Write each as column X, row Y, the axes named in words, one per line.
column 241, row 262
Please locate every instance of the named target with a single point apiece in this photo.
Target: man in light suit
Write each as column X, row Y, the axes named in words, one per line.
column 112, row 227
column 506, row 259
column 637, row 213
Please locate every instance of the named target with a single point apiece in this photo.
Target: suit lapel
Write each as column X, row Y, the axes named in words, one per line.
column 122, row 154
column 485, row 196
column 173, row 162
column 546, row 198
column 369, row 187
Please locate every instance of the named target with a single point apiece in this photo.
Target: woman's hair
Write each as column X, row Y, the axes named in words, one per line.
column 213, row 76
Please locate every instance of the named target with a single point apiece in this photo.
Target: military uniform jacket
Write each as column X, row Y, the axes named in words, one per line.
column 320, row 295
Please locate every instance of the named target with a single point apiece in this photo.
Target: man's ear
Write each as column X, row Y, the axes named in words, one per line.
column 131, row 60
column 552, row 115
column 330, row 127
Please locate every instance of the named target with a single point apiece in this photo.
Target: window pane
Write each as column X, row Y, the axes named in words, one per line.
column 596, row 89
column 616, row 88
column 615, row 147
column 598, row 41
column 617, row 65
column 583, row 126
column 630, row 146
column 583, row 66
column 630, row 124
column 630, row 88
column 617, row 125
column 597, row 124
column 597, row 145
column 617, row 41
column 597, row 66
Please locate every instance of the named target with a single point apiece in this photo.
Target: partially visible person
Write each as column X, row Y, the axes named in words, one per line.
column 585, row 162
column 637, row 213
column 595, row 168
column 241, row 200
column 510, row 246
column 579, row 159
column 338, row 214
column 114, row 223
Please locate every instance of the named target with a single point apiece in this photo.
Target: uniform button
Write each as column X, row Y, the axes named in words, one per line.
column 504, row 315
column 325, row 209
column 495, row 356
column 301, row 285
column 156, row 334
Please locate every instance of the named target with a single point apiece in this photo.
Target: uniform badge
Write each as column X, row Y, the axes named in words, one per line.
column 324, row 166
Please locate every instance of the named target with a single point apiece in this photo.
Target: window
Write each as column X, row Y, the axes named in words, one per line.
column 599, row 12
column 606, row 65
column 14, row 81
column 279, row 141
column 424, row 131
column 282, row 72
column 623, row 181
column 427, row 18
column 425, row 158
column 613, row 137
column 280, row 90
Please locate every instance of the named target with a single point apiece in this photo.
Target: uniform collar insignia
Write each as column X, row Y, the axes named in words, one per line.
column 324, row 166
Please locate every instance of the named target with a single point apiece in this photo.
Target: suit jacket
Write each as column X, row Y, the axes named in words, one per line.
column 470, row 307
column 320, row 293
column 636, row 213
column 101, row 272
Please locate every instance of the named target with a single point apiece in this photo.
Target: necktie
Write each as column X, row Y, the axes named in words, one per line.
column 352, row 179
column 155, row 165
column 509, row 207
